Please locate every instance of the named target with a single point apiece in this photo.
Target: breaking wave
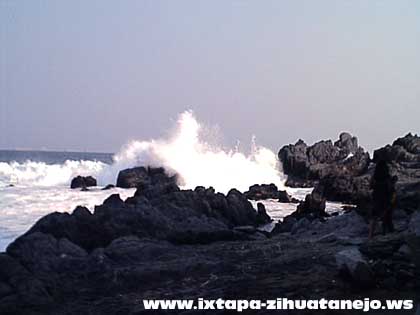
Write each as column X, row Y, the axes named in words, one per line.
column 185, row 152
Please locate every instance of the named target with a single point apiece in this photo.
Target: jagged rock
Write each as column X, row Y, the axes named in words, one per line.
column 403, row 157
column 313, row 207
column 306, row 165
column 83, row 182
column 160, row 210
column 262, row 216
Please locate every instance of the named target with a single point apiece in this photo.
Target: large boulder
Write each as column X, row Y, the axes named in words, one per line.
column 83, row 182
column 306, row 165
column 144, row 176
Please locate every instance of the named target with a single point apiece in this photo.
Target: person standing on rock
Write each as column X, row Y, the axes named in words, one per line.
column 384, row 196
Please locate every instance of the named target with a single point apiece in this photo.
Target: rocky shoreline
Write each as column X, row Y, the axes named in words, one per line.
column 165, row 242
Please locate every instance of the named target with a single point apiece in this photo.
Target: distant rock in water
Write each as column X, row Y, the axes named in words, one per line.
column 83, row 182
column 270, row 191
column 143, row 176
column 109, row 186
column 306, row 165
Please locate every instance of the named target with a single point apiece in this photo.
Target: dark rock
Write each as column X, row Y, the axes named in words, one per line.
column 160, row 210
column 143, row 177
column 109, row 186
column 306, row 165
column 83, row 182
column 403, row 157
column 346, row 188
column 264, row 191
column 262, row 216
column 313, row 207
column 20, row 287
column 351, row 261
column 284, row 226
column 382, row 247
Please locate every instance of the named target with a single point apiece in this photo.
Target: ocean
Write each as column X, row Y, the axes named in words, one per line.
column 35, row 183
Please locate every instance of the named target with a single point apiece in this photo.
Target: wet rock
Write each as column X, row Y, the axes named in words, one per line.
column 109, row 186
column 83, row 182
column 143, row 177
column 262, row 216
column 264, row 191
column 312, row 207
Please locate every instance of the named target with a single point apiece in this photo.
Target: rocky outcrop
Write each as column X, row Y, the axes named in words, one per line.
column 351, row 184
column 313, row 207
column 42, row 273
column 403, row 157
column 270, row 191
column 159, row 209
column 306, row 165
column 83, row 182
column 144, row 176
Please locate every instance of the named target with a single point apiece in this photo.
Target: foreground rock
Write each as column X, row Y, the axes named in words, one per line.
column 160, row 210
column 43, row 274
column 83, row 182
column 306, row 165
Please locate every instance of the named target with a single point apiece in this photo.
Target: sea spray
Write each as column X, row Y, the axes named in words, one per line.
column 185, row 151
column 197, row 162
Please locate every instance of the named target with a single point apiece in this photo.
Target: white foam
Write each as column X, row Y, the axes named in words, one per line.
column 197, row 162
column 41, row 174
column 185, row 152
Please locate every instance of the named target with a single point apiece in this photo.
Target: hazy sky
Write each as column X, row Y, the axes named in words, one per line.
column 90, row 75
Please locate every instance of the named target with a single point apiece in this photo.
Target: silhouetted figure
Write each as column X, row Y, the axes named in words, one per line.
column 384, row 195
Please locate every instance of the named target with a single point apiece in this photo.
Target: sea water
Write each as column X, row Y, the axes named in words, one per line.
column 35, row 183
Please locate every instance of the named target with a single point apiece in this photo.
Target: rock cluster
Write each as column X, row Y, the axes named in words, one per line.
column 83, row 182
column 306, row 165
column 268, row 191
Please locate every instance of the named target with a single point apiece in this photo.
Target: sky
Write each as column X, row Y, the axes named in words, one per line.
column 92, row 75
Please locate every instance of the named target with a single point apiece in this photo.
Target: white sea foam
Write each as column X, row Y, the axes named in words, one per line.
column 41, row 188
column 42, row 174
column 197, row 162
column 185, row 152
